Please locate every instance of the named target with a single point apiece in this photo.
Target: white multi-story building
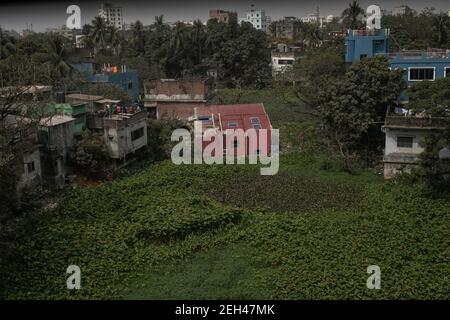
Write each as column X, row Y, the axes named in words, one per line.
column 314, row 18
column 112, row 15
column 257, row 18
column 400, row 10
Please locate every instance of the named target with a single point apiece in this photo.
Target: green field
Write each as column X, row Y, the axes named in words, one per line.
column 225, row 232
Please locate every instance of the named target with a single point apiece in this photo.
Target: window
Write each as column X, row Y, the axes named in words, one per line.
column 232, row 124
column 130, row 85
column 421, row 74
column 405, row 142
column 204, row 118
column 285, row 61
column 446, row 71
column 255, row 123
column 362, row 56
column 235, row 143
column 30, row 167
column 136, row 134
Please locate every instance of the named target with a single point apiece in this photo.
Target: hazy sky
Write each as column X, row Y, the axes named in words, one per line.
column 43, row 14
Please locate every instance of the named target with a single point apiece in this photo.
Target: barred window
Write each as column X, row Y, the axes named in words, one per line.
column 404, row 142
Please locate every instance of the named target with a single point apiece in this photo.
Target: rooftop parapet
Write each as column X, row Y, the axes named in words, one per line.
column 412, row 122
column 417, row 54
column 372, row 33
column 115, row 120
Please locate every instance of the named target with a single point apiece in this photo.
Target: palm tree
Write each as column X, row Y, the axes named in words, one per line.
column 311, row 35
column 115, row 39
column 99, row 34
column 138, row 37
column 441, row 24
column 159, row 22
column 56, row 55
column 198, row 38
column 352, row 15
column 179, row 36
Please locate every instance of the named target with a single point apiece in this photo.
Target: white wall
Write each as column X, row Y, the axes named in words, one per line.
column 119, row 143
column 391, row 141
column 29, row 178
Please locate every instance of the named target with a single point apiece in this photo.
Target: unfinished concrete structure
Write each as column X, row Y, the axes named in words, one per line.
column 223, row 16
column 288, row 28
column 56, row 134
column 123, row 133
column 163, row 95
column 284, row 57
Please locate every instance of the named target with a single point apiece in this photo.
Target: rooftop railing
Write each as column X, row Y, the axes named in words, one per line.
column 364, row 32
column 417, row 54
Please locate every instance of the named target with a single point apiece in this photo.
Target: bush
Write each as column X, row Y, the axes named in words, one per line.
column 90, row 155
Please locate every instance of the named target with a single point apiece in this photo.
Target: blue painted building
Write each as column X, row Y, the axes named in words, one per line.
column 427, row 65
column 361, row 44
column 127, row 80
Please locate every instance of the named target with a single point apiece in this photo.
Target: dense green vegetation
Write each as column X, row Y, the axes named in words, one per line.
column 226, row 232
column 318, row 245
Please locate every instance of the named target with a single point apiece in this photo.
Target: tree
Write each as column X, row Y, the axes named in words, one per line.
column 7, row 45
column 91, row 154
column 158, row 135
column 312, row 72
column 352, row 15
column 430, row 97
column 441, row 26
column 138, row 38
column 435, row 162
column 350, row 105
column 20, row 115
column 240, row 53
column 197, row 38
column 99, row 34
column 56, row 55
column 311, row 35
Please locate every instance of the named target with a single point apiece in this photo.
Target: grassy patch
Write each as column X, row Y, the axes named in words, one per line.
column 222, row 273
column 286, row 193
column 160, row 228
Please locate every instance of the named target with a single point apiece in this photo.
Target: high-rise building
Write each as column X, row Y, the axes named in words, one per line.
column 257, row 18
column 223, row 16
column 112, row 15
column 400, row 10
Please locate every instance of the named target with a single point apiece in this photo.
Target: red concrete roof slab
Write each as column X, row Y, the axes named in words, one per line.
column 241, row 114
